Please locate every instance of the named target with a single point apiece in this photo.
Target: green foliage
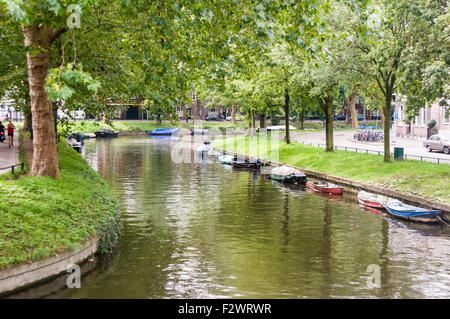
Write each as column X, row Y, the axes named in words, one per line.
column 60, row 82
column 42, row 217
column 431, row 124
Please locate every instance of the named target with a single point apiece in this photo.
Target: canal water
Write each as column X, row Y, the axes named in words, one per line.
column 205, row 230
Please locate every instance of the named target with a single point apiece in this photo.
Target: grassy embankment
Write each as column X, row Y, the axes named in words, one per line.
column 421, row 178
column 122, row 126
column 42, row 217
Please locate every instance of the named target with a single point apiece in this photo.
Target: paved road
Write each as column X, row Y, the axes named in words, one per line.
column 412, row 147
column 9, row 156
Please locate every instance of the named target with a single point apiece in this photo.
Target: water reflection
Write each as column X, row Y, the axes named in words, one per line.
column 203, row 230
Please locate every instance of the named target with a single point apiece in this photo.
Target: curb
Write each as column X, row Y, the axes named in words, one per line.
column 356, row 186
column 26, row 275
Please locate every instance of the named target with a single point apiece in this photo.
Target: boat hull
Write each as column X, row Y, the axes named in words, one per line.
column 160, row 132
column 291, row 178
column 410, row 214
column 247, row 165
column 195, row 131
column 328, row 190
column 370, row 203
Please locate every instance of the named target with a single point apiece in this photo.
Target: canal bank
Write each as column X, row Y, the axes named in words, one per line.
column 411, row 181
column 46, row 223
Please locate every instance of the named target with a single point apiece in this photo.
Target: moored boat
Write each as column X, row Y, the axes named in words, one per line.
column 373, row 200
column 325, row 187
column 198, row 131
column 254, row 164
column 412, row 213
column 226, row 159
column 286, row 174
column 164, row 131
column 214, row 153
column 106, row 133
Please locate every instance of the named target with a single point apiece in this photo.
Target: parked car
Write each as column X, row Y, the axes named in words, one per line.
column 438, row 142
column 106, row 133
column 216, row 117
column 339, row 117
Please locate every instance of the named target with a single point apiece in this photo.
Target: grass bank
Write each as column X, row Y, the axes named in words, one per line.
column 420, row 178
column 137, row 126
column 42, row 217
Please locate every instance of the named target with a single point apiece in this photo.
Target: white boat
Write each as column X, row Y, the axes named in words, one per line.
column 374, row 200
column 288, row 174
column 226, row 159
column 73, row 143
column 213, row 153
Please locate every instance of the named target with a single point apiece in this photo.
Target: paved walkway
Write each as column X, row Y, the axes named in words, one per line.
column 412, row 147
column 9, row 156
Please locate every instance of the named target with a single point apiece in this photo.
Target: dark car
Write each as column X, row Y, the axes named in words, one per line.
column 339, row 118
column 106, row 133
column 216, row 117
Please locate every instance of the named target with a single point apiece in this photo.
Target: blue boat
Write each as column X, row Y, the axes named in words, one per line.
column 412, row 213
column 164, row 131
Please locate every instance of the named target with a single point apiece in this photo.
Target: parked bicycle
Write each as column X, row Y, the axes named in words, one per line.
column 369, row 136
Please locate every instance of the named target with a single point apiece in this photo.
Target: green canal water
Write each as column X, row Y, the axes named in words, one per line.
column 205, row 230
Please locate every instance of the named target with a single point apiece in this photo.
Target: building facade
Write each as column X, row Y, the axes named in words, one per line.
column 419, row 125
column 197, row 110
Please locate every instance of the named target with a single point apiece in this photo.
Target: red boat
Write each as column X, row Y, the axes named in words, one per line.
column 373, row 200
column 325, row 195
column 324, row 187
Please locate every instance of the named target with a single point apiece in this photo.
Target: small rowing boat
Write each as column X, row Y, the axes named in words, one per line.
column 254, row 164
column 198, row 131
column 325, row 187
column 214, row 153
column 286, row 174
column 226, row 159
column 164, row 131
column 412, row 213
column 373, row 200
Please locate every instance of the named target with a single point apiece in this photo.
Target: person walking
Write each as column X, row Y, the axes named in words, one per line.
column 2, row 132
column 10, row 130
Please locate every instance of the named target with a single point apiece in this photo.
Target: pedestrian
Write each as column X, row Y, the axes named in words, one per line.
column 2, row 132
column 10, row 130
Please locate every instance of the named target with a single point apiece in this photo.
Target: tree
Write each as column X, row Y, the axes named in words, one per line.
column 42, row 23
column 384, row 33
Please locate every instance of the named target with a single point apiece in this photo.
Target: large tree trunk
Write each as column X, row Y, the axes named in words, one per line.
column 381, row 117
column 253, row 120
column 302, row 120
column 326, row 105
column 45, row 155
column 262, row 121
column 251, row 128
column 287, row 112
column 352, row 106
column 233, row 114
column 329, row 124
column 387, row 126
column 348, row 113
column 27, row 125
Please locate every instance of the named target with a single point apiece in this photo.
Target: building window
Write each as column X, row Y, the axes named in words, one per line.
column 194, row 97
